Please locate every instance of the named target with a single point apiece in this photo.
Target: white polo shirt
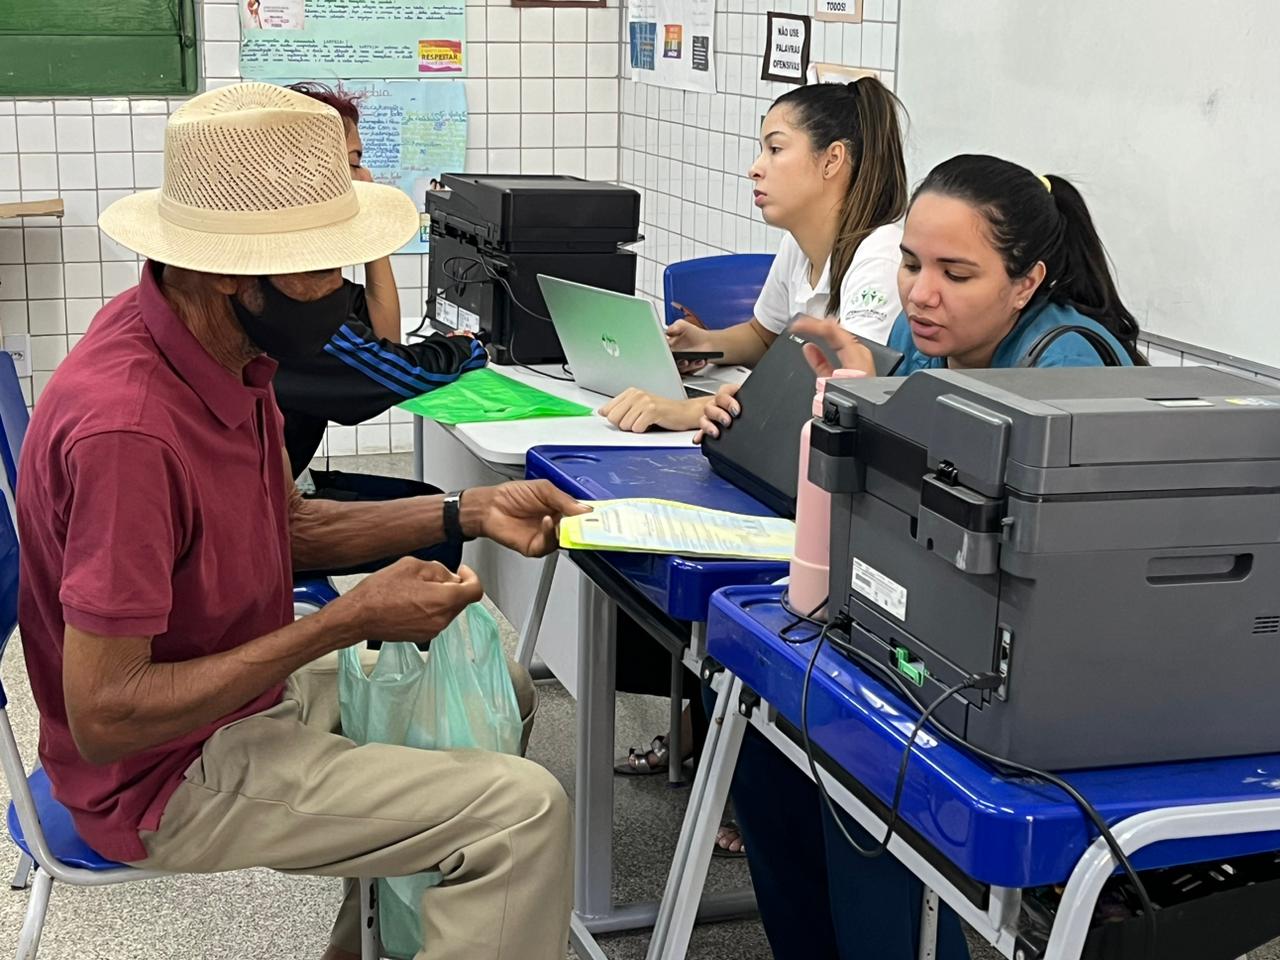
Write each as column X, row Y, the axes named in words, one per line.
column 869, row 301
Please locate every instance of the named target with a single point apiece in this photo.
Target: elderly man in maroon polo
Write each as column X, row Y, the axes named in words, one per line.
column 186, row 720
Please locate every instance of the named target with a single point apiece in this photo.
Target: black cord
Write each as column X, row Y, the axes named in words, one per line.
column 1104, row 830
column 492, row 276
column 800, row 618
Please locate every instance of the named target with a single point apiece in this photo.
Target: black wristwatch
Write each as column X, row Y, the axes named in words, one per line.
column 453, row 517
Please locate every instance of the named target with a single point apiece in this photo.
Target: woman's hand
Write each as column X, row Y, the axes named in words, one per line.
column 635, row 411
column 719, row 412
column 851, row 354
column 689, row 335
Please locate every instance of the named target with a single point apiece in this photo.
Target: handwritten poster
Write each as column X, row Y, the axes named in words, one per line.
column 412, row 133
column 328, row 39
column 786, row 51
column 672, row 43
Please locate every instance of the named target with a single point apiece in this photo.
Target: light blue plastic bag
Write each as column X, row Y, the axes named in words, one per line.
column 460, row 697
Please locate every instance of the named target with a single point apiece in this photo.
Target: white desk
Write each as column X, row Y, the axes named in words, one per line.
column 475, row 454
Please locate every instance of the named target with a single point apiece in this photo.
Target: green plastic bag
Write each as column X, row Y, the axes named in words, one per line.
column 484, row 395
column 460, row 697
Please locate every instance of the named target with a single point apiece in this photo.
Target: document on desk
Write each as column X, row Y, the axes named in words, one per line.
column 664, row 526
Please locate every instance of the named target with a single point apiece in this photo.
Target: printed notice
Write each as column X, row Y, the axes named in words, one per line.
column 271, row 14
column 672, row 43
column 786, row 53
column 848, row 11
column 331, row 39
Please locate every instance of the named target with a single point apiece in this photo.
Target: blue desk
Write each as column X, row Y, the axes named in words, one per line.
column 679, row 586
column 668, row 596
column 970, row 830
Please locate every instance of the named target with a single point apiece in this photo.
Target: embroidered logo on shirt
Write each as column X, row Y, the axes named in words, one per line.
column 871, row 297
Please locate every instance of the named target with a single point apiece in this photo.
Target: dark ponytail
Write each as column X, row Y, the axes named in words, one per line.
column 864, row 116
column 1034, row 219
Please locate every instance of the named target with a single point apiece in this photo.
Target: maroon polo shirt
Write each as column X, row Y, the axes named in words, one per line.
column 152, row 502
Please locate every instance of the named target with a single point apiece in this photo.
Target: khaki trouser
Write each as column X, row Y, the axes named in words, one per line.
column 280, row 789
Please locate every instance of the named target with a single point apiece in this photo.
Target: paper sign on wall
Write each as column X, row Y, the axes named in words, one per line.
column 838, row 73
column 672, row 43
column 271, row 14
column 330, row 39
column 848, row 11
column 786, row 52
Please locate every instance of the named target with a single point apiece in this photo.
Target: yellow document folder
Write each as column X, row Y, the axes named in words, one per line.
column 663, row 526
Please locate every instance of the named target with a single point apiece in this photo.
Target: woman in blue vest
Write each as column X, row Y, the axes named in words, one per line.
column 993, row 258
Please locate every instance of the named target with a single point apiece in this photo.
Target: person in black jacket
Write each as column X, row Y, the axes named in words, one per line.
column 364, row 370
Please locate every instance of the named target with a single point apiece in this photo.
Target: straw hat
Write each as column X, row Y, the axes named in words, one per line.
column 256, row 181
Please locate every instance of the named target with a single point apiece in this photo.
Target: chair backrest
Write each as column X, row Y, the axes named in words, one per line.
column 14, row 417
column 721, row 291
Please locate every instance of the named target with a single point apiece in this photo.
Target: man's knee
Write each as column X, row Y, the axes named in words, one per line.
column 536, row 794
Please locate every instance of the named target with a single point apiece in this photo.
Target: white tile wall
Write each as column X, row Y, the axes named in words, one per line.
column 560, row 67
column 688, row 153
column 545, row 97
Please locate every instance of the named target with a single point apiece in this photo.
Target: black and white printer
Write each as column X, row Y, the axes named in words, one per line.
column 491, row 235
column 1106, row 541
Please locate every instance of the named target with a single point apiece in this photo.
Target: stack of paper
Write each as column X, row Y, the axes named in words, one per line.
column 662, row 526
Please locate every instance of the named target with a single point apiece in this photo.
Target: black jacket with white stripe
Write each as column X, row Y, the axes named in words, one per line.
column 358, row 376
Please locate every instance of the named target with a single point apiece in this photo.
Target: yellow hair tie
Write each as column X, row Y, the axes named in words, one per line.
column 1047, row 185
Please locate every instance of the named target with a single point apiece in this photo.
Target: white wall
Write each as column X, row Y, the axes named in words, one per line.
column 543, row 98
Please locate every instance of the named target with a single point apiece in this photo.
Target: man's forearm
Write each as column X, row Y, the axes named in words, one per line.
column 158, row 702
column 336, row 533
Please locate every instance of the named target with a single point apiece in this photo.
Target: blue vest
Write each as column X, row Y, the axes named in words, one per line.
column 1069, row 350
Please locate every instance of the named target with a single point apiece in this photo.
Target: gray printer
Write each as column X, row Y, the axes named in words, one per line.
column 1107, row 540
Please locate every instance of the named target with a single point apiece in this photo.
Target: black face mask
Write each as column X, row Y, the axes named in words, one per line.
column 289, row 329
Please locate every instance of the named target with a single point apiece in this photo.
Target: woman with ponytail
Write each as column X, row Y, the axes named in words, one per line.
column 831, row 173
column 995, row 259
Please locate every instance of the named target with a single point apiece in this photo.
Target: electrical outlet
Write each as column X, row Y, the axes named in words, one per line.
column 18, row 346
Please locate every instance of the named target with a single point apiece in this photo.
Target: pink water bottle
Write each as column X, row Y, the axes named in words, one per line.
column 810, row 562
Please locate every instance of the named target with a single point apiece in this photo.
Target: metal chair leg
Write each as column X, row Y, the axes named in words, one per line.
column 370, row 942
column 22, row 876
column 537, row 607
column 33, row 925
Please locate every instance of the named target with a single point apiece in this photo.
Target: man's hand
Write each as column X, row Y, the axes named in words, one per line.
column 522, row 515
column 636, row 411
column 719, row 412
column 412, row 600
column 852, row 354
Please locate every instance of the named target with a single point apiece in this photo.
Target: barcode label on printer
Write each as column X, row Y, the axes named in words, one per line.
column 446, row 312
column 879, row 589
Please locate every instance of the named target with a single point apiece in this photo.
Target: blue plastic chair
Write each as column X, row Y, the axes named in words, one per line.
column 39, row 825
column 720, row 291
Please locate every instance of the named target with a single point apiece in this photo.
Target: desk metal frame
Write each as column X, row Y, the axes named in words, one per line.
column 602, row 593
column 997, row 924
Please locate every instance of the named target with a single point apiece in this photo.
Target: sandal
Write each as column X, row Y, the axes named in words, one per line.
column 637, row 764
column 728, row 827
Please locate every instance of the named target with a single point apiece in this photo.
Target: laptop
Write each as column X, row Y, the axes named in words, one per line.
column 760, row 453
column 613, row 341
